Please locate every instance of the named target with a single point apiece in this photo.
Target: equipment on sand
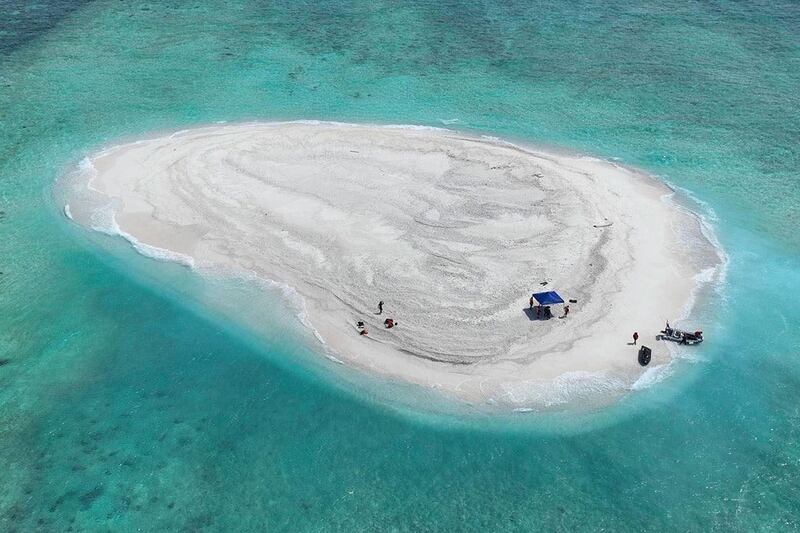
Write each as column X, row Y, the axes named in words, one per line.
column 681, row 337
column 645, row 354
column 548, row 298
column 545, row 299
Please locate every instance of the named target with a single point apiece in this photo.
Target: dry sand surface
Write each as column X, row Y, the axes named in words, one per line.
column 452, row 232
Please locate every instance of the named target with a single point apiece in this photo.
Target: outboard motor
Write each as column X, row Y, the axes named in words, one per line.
column 645, row 354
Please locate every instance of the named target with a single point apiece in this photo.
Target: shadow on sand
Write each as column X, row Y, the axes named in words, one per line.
column 533, row 315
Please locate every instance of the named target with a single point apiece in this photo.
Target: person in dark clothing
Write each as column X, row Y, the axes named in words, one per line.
column 531, row 303
column 380, row 307
column 635, row 337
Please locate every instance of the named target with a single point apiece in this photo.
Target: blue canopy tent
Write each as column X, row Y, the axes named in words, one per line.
column 548, row 298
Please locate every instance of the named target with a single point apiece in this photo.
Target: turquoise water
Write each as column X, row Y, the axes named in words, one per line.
column 125, row 404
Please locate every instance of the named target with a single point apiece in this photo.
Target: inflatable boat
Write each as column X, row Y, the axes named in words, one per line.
column 681, row 337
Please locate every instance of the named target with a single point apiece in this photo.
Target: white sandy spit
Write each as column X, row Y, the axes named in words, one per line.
column 452, row 232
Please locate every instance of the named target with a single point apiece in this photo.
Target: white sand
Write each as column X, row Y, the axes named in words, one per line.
column 452, row 232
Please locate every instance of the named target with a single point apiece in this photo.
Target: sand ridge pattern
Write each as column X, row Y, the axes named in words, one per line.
column 453, row 232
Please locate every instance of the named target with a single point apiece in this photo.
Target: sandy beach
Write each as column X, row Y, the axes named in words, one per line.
column 452, row 232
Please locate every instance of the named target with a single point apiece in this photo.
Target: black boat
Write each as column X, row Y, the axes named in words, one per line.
column 681, row 337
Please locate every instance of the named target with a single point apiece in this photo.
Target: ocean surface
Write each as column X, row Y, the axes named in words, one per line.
column 132, row 399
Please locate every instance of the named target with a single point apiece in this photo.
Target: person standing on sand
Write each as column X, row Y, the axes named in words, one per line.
column 531, row 303
column 380, row 307
column 566, row 311
column 635, row 337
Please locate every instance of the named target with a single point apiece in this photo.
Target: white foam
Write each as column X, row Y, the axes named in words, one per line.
column 704, row 207
column 706, row 276
column 86, row 165
column 567, row 388
column 651, row 376
column 154, row 252
column 88, row 171
column 102, row 220
column 707, row 218
column 714, row 276
column 412, row 127
column 179, row 133
column 296, row 302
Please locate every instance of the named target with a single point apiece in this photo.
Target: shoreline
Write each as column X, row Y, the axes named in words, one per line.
column 513, row 377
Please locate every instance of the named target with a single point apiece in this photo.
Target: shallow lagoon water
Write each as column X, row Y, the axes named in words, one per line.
column 124, row 406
